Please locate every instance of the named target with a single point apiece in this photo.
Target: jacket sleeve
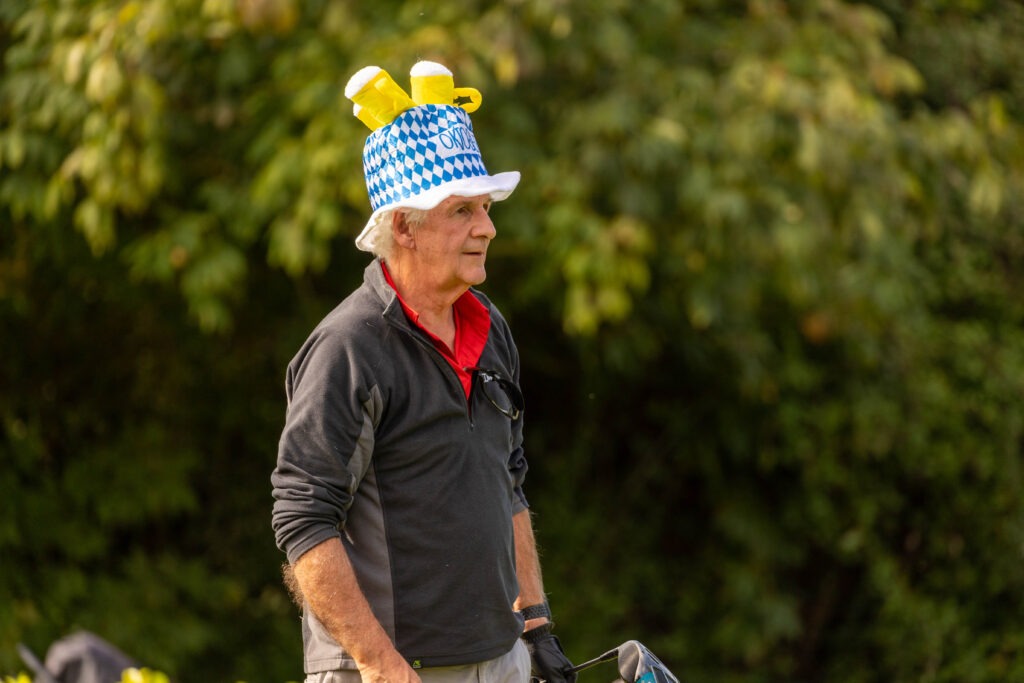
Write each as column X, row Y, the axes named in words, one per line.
column 326, row 444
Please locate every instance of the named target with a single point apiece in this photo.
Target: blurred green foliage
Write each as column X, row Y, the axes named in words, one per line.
column 764, row 270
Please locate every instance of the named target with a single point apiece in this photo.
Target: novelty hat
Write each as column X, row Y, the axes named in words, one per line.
column 422, row 149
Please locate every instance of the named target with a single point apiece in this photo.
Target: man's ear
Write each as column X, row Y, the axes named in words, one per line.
column 402, row 230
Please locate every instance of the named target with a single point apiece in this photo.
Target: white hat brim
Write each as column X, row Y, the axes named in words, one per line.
column 498, row 186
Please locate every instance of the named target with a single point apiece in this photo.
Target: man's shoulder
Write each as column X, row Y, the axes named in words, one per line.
column 353, row 326
column 362, row 304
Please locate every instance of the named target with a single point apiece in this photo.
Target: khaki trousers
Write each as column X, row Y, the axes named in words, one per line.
column 513, row 667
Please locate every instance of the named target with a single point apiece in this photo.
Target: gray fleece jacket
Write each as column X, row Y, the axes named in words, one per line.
column 381, row 448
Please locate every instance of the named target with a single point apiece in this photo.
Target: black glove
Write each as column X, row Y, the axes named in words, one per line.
column 549, row 661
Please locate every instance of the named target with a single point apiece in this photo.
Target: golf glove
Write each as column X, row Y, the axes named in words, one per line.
column 549, row 661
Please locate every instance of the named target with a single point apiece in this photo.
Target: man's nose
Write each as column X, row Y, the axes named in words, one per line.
column 483, row 226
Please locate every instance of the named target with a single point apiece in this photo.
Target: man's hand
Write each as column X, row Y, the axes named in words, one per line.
column 328, row 583
column 549, row 661
column 392, row 670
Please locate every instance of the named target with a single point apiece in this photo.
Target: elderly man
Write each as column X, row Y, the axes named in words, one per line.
column 398, row 488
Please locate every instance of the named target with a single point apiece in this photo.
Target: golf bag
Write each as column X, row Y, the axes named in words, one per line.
column 82, row 657
column 636, row 664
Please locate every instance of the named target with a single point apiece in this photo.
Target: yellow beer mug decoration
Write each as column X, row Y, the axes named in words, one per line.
column 377, row 95
column 379, row 99
column 433, row 83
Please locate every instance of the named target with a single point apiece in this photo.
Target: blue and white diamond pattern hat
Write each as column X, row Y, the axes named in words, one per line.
column 422, row 149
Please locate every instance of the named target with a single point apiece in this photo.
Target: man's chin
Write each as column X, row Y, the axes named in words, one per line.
column 478, row 277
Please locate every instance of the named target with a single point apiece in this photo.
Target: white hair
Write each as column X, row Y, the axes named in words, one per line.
column 384, row 243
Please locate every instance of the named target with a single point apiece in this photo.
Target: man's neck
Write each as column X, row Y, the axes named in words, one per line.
column 434, row 307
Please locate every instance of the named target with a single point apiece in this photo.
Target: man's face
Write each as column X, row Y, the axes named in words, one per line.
column 451, row 244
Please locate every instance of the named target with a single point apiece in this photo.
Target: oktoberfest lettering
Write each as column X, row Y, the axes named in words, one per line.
column 456, row 140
